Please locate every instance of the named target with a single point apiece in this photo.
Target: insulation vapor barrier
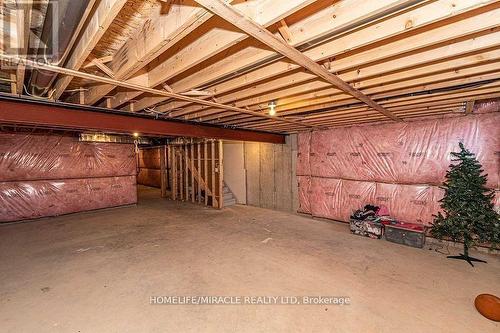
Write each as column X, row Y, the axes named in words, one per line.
column 49, row 175
column 149, row 177
column 399, row 165
column 31, row 157
column 41, row 198
column 149, row 167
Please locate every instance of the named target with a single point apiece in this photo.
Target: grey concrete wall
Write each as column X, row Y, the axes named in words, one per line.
column 271, row 175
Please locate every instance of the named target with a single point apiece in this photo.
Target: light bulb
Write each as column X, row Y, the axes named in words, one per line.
column 272, row 108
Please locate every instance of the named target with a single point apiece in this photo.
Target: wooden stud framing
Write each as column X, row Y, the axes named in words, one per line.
column 163, row 171
column 212, row 171
column 469, row 106
column 198, row 162
column 173, row 158
column 197, row 175
column 205, row 168
column 220, row 173
column 193, row 187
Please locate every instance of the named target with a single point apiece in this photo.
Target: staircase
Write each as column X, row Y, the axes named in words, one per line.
column 229, row 198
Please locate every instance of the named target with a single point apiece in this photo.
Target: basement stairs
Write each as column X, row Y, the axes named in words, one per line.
column 229, row 198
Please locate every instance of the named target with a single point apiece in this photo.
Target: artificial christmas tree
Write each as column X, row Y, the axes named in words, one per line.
column 467, row 204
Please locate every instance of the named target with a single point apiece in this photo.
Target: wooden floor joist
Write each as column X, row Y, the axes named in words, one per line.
column 257, row 31
column 133, row 86
column 221, row 62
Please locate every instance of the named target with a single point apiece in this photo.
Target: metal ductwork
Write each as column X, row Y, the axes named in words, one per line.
column 63, row 22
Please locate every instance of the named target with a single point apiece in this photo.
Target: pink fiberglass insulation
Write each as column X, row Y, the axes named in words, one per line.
column 303, row 165
column 149, row 177
column 407, row 203
column 399, row 165
column 325, row 198
column 149, row 158
column 304, row 184
column 40, row 198
column 355, row 195
column 488, row 105
column 337, row 199
column 35, row 157
column 407, row 153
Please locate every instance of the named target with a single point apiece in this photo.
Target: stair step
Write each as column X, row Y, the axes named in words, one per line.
column 228, row 196
column 226, row 190
column 229, row 202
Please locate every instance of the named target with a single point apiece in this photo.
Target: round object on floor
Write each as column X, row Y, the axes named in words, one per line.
column 489, row 306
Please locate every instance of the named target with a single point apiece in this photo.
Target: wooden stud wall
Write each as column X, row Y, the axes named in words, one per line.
column 196, row 172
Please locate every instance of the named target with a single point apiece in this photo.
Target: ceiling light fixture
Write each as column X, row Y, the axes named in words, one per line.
column 272, row 108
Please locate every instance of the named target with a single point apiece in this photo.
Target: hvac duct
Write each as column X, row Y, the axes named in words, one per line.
column 63, row 22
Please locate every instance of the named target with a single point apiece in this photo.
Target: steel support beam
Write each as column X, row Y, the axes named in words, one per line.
column 55, row 115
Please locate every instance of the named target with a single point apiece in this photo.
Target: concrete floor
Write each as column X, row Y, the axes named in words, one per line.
column 96, row 271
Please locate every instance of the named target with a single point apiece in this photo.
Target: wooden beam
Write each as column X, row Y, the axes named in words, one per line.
column 191, row 153
column 102, row 18
column 475, row 49
column 103, row 60
column 285, row 31
column 133, row 86
column 197, row 176
column 212, row 173
column 186, row 172
column 13, row 83
column 469, row 107
column 257, row 31
column 198, row 167
column 99, row 64
column 173, row 158
column 221, row 173
column 205, row 169
column 163, row 171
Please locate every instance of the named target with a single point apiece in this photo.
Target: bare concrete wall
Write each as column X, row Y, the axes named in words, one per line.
column 271, row 175
column 234, row 170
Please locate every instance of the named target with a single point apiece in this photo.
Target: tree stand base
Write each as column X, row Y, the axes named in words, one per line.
column 466, row 258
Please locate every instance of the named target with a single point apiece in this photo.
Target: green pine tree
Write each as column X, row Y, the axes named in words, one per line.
column 469, row 216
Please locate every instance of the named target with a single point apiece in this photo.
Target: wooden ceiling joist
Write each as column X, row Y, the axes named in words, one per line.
column 348, row 14
column 453, row 67
column 132, row 86
column 150, row 41
column 406, row 48
column 259, row 32
column 454, row 77
column 210, row 44
column 324, row 63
